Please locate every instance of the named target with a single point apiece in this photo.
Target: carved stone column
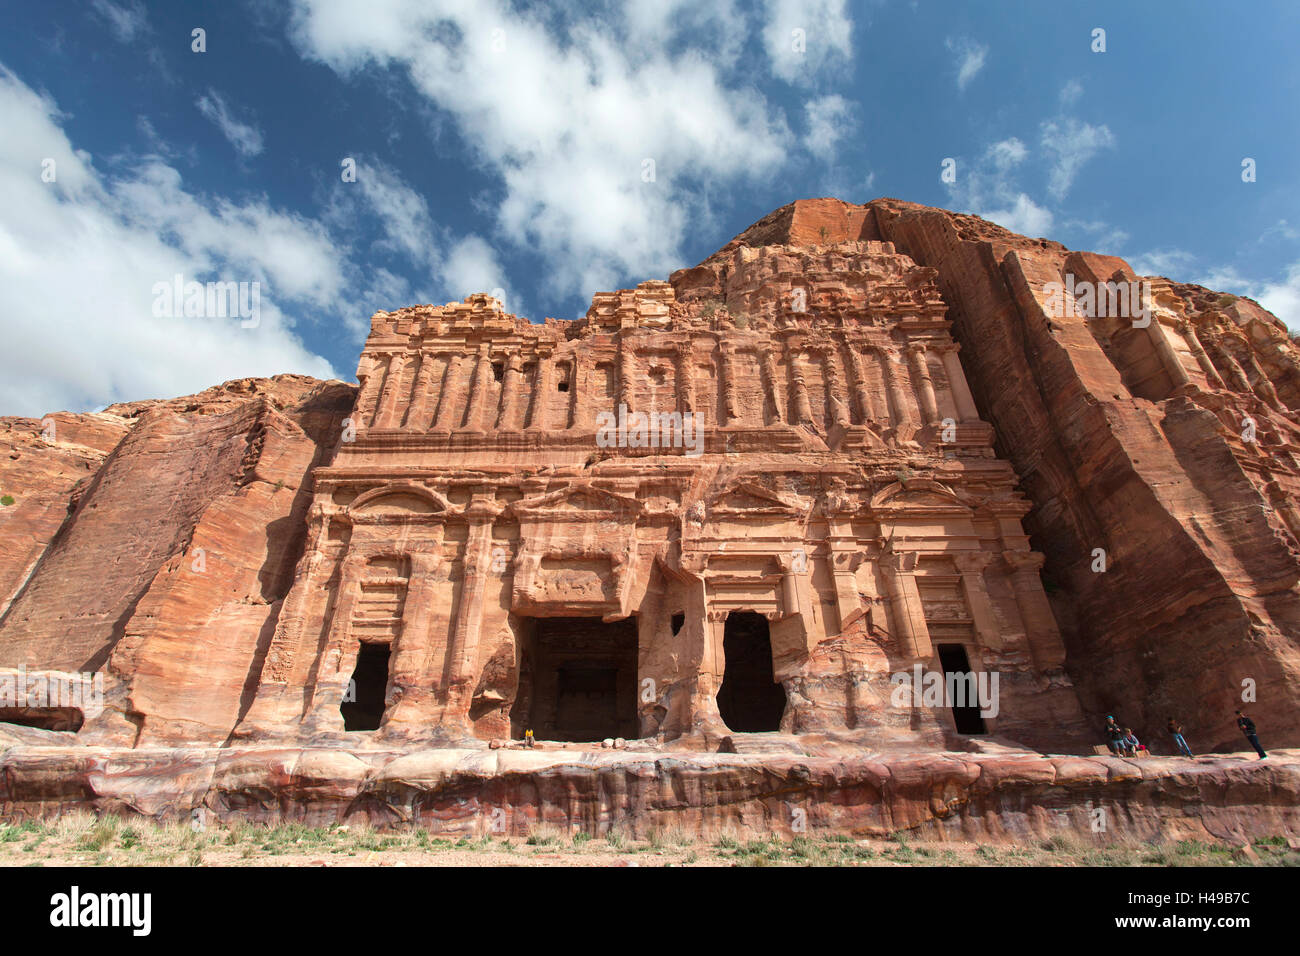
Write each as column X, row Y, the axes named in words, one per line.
column 541, row 391
column 838, row 412
column 1260, row 383
column 417, row 415
column 468, row 626
column 771, row 389
column 1198, row 352
column 372, row 383
column 800, row 406
column 478, row 389
column 861, row 387
column 338, row 656
column 966, row 410
column 395, row 389
column 1233, row 374
column 971, row 564
column 626, row 375
column 1168, row 357
column 905, row 604
column 1045, row 645
column 411, row 685
column 924, row 386
column 901, row 405
column 685, row 378
column 512, row 384
column 451, row 398
column 727, row 372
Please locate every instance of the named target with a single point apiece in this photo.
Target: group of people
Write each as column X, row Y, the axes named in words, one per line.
column 1124, row 743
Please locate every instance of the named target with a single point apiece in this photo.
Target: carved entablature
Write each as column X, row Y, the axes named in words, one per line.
column 562, row 569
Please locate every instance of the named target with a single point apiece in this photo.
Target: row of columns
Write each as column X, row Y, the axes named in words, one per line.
column 412, row 376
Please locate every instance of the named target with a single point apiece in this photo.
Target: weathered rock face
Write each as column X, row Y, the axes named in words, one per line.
column 169, row 567
column 858, row 442
column 1171, row 446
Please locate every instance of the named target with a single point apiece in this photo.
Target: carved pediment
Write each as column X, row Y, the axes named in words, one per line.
column 578, row 501
column 747, row 497
column 396, row 500
column 919, row 495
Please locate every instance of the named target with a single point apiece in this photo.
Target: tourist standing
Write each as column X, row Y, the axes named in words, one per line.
column 1248, row 728
column 1176, row 731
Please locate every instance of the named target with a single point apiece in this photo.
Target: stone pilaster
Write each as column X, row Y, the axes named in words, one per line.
column 1045, row 645
column 905, row 607
column 900, row 404
column 961, row 394
column 924, row 386
column 971, row 565
column 417, row 415
column 451, row 398
column 861, row 387
column 801, row 407
column 772, row 390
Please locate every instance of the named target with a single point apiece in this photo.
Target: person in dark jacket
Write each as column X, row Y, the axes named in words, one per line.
column 1176, row 731
column 1114, row 736
column 1248, row 728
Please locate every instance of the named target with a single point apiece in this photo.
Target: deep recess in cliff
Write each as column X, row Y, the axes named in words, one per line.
column 903, row 455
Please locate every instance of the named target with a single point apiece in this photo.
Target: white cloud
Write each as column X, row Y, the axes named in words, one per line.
column 986, row 187
column 79, row 258
column 566, row 114
column 829, row 120
column 471, row 266
column 1171, row 263
column 1281, row 297
column 125, row 20
column 246, row 138
column 1072, row 142
column 805, row 38
column 1023, row 216
column 1071, row 92
column 970, row 58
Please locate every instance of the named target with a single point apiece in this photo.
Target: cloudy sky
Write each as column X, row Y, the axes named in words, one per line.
column 548, row 152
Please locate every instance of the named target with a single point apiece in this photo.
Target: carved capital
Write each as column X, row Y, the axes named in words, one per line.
column 972, row 561
column 1023, row 560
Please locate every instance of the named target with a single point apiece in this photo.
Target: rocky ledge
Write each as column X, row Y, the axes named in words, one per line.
column 1000, row 797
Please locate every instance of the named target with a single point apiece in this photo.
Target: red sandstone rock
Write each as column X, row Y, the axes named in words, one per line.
column 470, row 562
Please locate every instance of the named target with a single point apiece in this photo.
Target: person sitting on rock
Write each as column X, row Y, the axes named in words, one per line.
column 1248, row 728
column 1114, row 736
column 1176, row 731
column 1130, row 743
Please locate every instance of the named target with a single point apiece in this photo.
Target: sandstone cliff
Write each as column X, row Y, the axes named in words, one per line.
column 155, row 540
column 1170, row 447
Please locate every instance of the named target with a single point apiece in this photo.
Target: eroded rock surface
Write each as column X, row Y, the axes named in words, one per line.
column 724, row 512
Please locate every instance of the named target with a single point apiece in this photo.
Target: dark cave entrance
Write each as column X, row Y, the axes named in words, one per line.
column 44, row 718
column 577, row 680
column 749, row 700
column 956, row 667
column 363, row 705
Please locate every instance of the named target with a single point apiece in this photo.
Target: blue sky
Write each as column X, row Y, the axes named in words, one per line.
column 503, row 146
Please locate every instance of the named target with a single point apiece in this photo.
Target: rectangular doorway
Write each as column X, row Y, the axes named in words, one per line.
column 577, row 680
column 956, row 667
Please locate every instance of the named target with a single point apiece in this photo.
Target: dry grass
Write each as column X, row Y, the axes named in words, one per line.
column 80, row 839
